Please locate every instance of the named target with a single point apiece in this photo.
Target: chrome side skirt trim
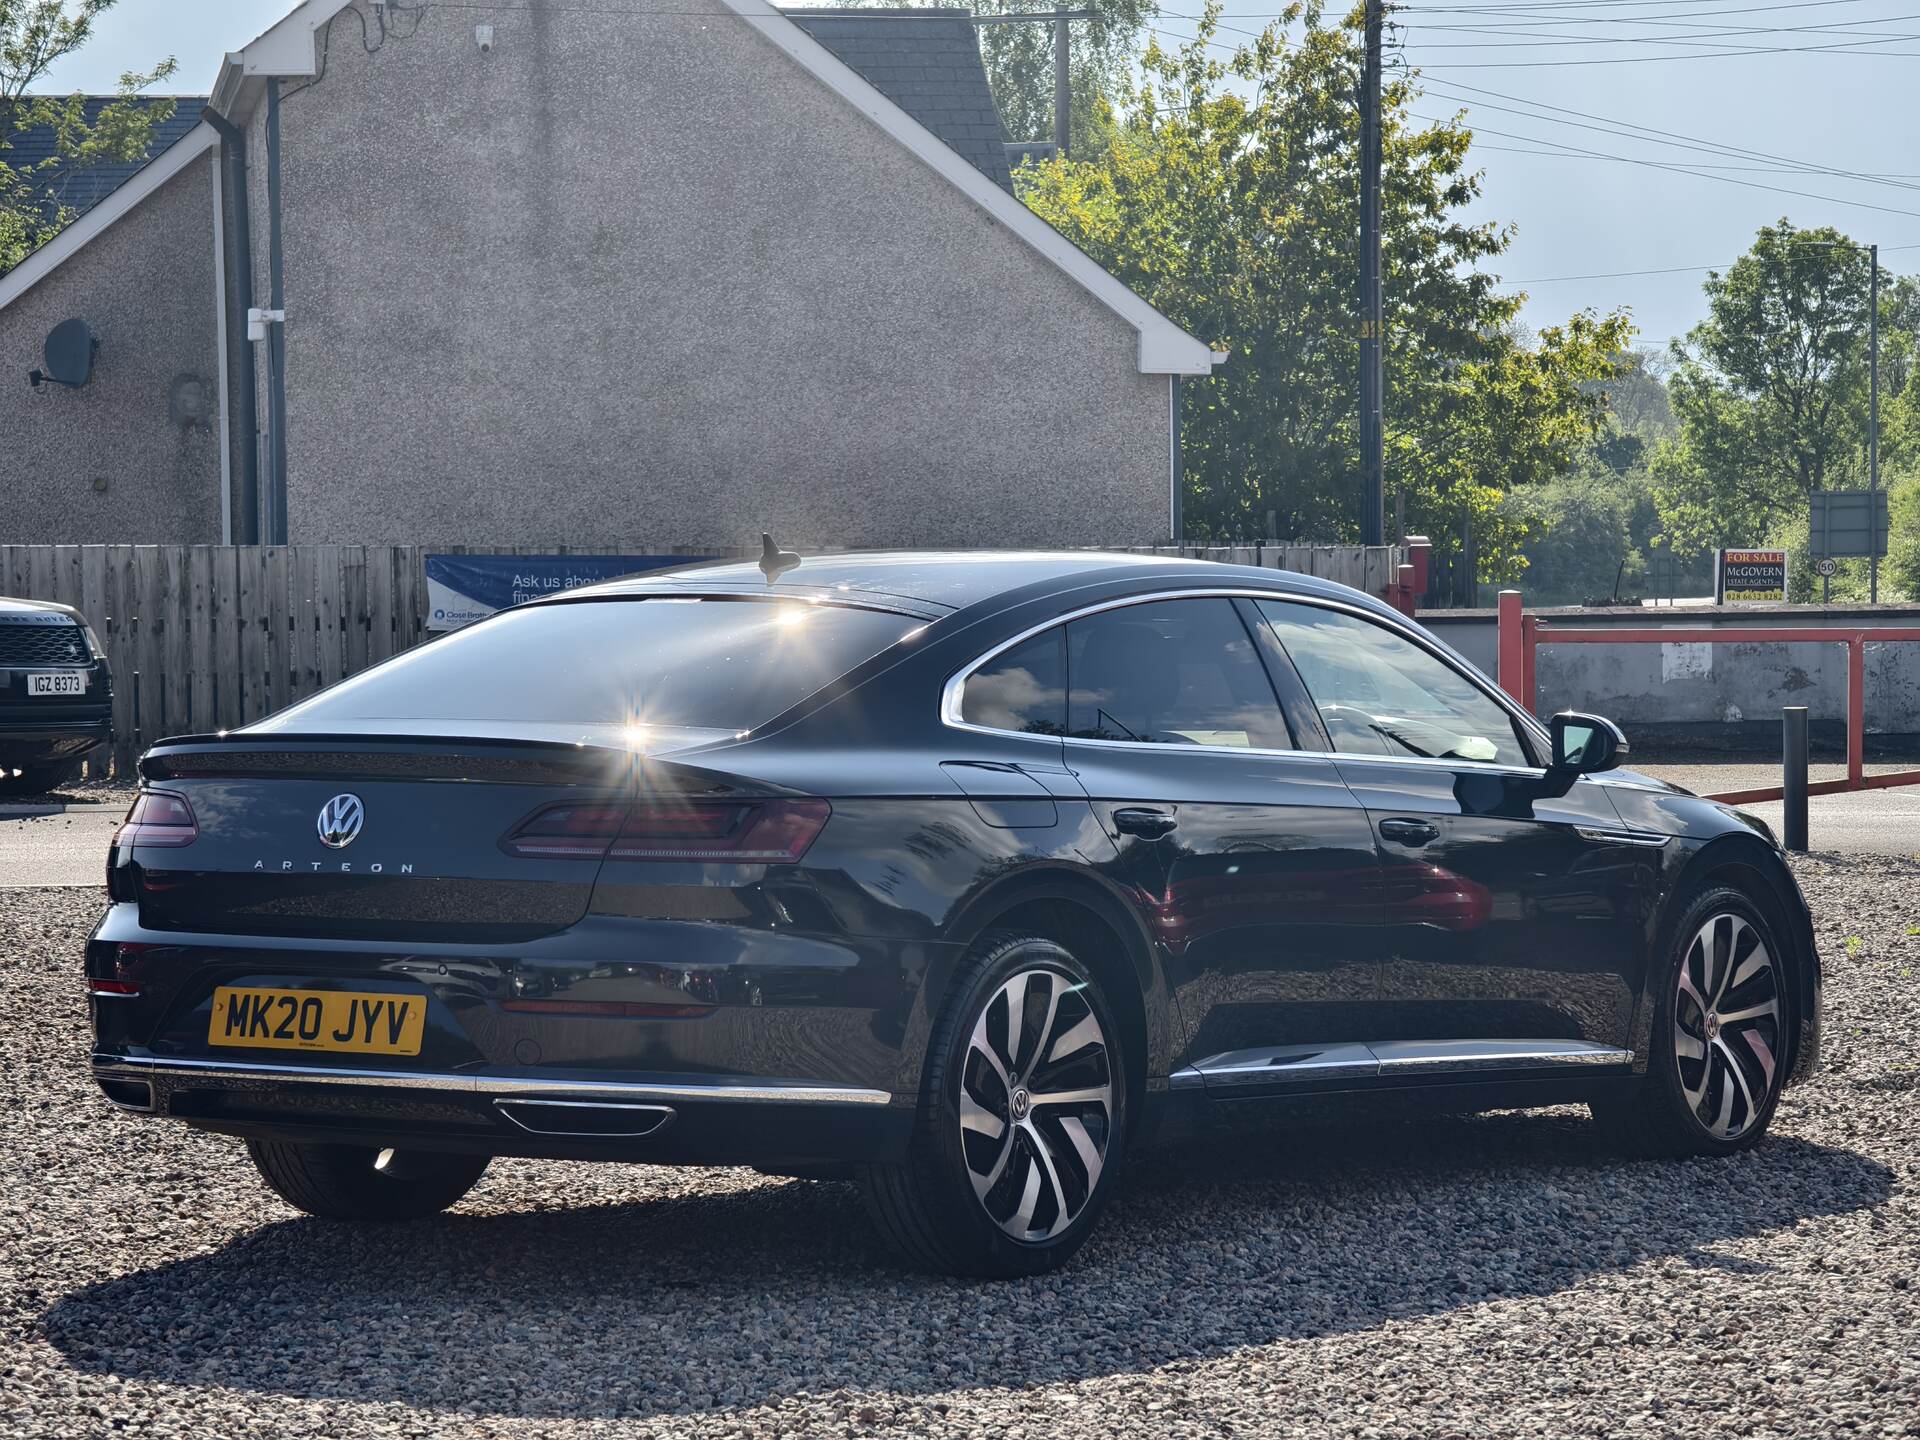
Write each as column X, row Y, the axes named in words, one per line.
column 1289, row 1064
column 472, row 1083
column 1388, row 1059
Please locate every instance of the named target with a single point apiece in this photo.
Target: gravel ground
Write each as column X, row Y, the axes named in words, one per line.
column 1493, row 1276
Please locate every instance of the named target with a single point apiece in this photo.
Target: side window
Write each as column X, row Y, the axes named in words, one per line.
column 1380, row 694
column 1172, row 672
column 1024, row 689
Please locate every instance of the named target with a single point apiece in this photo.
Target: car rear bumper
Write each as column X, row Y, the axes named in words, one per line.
column 657, row 1118
column 28, row 738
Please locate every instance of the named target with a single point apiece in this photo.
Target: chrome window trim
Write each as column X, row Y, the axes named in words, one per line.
column 137, row 1067
column 950, row 694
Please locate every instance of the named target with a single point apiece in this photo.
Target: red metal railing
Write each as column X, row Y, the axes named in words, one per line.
column 1520, row 635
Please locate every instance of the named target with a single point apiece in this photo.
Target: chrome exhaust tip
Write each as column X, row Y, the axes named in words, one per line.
column 134, row 1095
column 585, row 1119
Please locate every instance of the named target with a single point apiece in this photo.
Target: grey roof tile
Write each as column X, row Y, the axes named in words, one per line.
column 928, row 63
column 81, row 190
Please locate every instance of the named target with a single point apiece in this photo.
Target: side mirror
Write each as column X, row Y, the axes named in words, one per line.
column 1585, row 744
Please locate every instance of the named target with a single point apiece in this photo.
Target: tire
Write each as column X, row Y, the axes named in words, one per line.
column 345, row 1182
column 1722, row 1100
column 999, row 1181
column 37, row 779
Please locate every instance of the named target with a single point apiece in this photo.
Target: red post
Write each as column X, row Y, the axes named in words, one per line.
column 1407, row 596
column 1420, row 552
column 1529, row 651
column 1856, row 712
column 1512, row 661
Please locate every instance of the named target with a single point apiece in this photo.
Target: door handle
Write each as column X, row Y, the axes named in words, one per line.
column 1147, row 824
column 1410, row 832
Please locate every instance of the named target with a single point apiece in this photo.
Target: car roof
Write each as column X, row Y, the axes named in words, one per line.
column 931, row 582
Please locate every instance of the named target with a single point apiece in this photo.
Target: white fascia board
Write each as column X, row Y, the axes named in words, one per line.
column 1165, row 349
column 142, row 183
column 290, row 48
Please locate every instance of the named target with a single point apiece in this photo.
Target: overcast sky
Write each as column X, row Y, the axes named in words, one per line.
column 1670, row 67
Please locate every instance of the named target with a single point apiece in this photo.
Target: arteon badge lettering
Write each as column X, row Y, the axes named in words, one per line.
column 340, row 821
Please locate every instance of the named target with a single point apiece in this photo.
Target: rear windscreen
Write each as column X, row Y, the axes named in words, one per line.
column 669, row 662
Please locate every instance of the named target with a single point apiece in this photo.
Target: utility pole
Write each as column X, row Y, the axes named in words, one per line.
column 1062, row 96
column 1873, row 422
column 1373, row 517
column 1062, row 92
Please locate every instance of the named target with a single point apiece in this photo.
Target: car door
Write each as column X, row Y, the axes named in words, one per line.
column 1511, row 897
column 1247, row 852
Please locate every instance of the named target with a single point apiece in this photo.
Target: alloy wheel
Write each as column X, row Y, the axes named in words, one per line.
column 1726, row 1024
column 1036, row 1104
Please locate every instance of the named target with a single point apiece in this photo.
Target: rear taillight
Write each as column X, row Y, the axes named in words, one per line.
column 567, row 832
column 158, row 817
column 740, row 831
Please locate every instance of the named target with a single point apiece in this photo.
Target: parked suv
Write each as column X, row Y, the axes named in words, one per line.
column 56, row 695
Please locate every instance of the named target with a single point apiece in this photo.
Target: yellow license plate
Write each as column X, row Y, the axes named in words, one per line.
column 339, row 1020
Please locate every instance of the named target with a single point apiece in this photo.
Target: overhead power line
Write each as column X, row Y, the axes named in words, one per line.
column 1647, row 134
column 1678, row 168
column 1695, row 39
column 1743, row 169
column 1665, row 270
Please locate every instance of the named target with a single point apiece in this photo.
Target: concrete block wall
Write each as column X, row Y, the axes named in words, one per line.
column 1731, row 684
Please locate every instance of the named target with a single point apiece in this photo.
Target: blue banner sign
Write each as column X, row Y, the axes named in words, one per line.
column 465, row 588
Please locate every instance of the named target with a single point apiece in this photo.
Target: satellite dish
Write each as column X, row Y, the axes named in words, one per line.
column 71, row 346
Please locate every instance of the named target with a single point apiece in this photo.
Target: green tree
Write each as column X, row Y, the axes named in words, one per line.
column 1579, row 529
column 34, row 35
column 1228, row 197
column 1903, row 548
column 1770, row 389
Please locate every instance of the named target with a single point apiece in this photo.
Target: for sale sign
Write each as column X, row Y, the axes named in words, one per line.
column 1750, row 577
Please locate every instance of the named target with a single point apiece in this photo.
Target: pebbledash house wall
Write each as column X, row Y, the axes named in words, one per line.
column 633, row 279
column 106, row 462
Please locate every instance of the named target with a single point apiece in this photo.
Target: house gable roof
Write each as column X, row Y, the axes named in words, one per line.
column 197, row 141
column 292, row 48
column 83, row 188
column 928, row 63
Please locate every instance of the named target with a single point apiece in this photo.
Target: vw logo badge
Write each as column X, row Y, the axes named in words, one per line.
column 340, row 821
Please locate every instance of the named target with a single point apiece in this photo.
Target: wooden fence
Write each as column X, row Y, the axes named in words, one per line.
column 209, row 637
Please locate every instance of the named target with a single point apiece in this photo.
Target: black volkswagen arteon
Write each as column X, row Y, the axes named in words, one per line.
column 960, row 874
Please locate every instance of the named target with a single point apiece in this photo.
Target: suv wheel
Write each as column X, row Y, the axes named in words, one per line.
column 1022, row 1119
column 1719, row 1036
column 358, row 1182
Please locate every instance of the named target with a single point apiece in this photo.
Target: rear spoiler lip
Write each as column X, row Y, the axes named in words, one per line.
column 616, row 764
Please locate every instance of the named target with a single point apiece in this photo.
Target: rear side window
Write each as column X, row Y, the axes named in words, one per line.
column 1174, row 672
column 700, row 664
column 1024, row 689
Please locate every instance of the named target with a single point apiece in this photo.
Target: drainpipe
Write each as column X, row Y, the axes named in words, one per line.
column 1176, row 469
column 277, row 334
column 233, row 142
